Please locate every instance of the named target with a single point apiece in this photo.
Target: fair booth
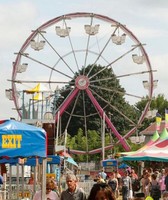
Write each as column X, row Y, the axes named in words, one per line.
column 17, row 142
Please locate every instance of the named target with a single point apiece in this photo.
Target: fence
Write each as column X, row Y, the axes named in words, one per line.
column 27, row 192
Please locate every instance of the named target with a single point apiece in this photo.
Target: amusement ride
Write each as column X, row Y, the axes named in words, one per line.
column 70, row 55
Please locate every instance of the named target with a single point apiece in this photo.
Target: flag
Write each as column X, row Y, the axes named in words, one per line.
column 158, row 121
column 166, row 118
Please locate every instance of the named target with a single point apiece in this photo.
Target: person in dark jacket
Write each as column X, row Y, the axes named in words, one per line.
column 166, row 178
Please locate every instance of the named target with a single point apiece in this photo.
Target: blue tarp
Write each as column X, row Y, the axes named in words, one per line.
column 21, row 140
column 109, row 163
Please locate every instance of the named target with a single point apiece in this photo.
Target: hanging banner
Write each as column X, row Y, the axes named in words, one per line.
column 158, row 121
column 166, row 118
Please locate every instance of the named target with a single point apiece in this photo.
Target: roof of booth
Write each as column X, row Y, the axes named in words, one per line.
column 21, row 140
column 152, row 128
column 51, row 159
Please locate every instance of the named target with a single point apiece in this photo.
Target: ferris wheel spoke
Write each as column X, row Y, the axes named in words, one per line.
column 40, row 81
column 72, row 111
column 76, row 51
column 85, row 122
column 57, row 53
column 136, row 73
column 87, row 47
column 93, row 65
column 66, row 103
column 115, row 91
column 72, row 48
column 81, row 116
column 39, row 62
column 116, row 109
column 111, row 63
column 122, row 75
column 100, row 54
column 107, row 120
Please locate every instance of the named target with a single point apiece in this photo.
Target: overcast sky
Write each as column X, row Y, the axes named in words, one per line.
column 147, row 19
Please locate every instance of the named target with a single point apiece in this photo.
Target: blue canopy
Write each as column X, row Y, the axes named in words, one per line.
column 71, row 160
column 109, row 163
column 9, row 160
column 51, row 159
column 21, row 140
column 123, row 166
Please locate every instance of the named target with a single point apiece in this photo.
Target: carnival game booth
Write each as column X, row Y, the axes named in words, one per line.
column 110, row 165
column 20, row 140
column 35, row 164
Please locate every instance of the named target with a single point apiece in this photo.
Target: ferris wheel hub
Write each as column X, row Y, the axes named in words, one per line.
column 82, row 82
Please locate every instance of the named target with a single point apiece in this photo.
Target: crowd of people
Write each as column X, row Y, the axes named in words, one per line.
column 155, row 183
column 150, row 183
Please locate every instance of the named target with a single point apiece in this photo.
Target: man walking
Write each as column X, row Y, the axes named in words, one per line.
column 126, row 186
column 73, row 192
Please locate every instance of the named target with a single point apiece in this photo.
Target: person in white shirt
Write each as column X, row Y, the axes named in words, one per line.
column 103, row 174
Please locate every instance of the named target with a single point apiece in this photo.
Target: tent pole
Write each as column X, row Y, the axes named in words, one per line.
column 17, row 181
column 10, row 181
column 44, row 163
column 22, row 166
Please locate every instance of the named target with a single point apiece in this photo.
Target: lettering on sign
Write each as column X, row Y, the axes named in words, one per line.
column 109, row 163
column 49, row 159
column 11, row 141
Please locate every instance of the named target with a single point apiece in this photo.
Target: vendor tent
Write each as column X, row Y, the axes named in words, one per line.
column 160, row 147
column 146, row 157
column 21, row 140
column 156, row 152
column 155, row 139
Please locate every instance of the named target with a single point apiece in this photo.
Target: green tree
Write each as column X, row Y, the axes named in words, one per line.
column 108, row 89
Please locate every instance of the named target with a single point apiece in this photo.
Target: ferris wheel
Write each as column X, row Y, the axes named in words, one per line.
column 93, row 58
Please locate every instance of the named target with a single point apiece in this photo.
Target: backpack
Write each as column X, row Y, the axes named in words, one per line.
column 136, row 185
column 155, row 191
column 113, row 184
